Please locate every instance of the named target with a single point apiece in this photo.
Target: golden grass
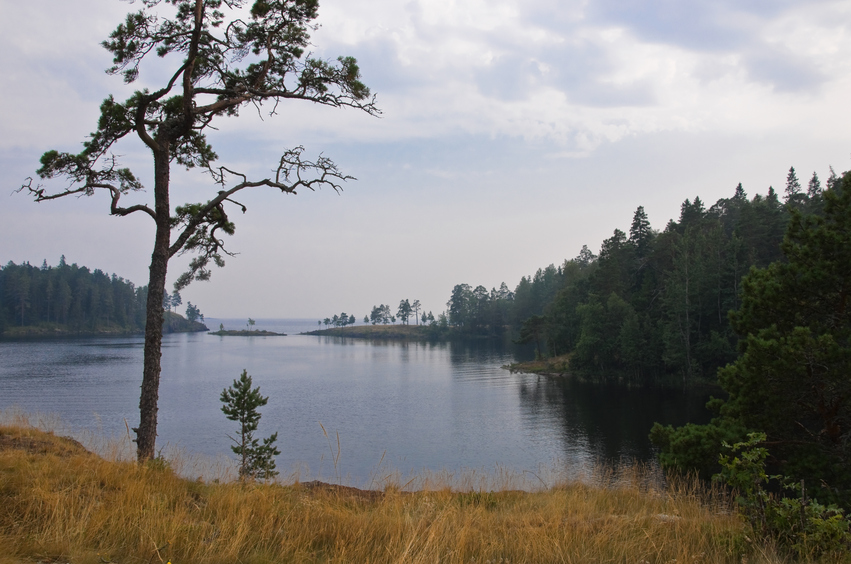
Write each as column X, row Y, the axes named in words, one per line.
column 61, row 503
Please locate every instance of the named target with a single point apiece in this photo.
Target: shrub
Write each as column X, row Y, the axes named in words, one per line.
column 800, row 524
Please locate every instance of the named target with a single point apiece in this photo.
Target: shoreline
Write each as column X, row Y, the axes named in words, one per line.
column 172, row 323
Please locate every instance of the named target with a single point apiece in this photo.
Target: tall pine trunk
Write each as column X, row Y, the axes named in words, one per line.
column 146, row 433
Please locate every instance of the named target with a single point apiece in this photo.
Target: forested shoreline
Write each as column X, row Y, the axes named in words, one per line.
column 751, row 294
column 651, row 308
column 653, row 305
column 71, row 299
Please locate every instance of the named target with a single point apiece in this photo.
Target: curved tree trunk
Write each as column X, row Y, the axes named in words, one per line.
column 146, row 434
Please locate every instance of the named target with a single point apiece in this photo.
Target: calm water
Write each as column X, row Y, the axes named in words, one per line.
column 422, row 406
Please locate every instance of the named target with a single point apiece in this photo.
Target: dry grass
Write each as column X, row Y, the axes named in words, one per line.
column 61, row 503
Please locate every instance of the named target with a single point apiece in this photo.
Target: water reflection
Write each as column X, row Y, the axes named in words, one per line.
column 608, row 421
column 421, row 405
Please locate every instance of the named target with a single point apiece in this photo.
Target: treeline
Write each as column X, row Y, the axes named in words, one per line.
column 70, row 296
column 653, row 304
column 383, row 315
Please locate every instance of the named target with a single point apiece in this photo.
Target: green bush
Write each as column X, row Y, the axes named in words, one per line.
column 800, row 524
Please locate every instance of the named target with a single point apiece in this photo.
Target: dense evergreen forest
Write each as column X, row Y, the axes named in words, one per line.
column 73, row 299
column 653, row 305
column 754, row 294
column 788, row 392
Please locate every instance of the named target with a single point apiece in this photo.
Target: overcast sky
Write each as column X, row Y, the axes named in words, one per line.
column 513, row 132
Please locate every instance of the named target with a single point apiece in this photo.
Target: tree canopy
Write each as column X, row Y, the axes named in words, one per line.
column 71, row 296
column 652, row 306
column 790, row 380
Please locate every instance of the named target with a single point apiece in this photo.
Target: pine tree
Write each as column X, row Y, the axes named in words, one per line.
column 416, row 309
column 640, row 233
column 793, row 187
column 832, row 180
column 257, row 461
column 585, row 257
column 192, row 312
column 176, row 300
column 814, row 187
column 404, row 311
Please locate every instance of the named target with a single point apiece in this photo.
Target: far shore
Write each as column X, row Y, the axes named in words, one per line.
column 172, row 323
column 410, row 332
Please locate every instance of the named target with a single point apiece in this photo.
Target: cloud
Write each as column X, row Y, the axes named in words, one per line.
column 782, row 70
column 702, row 26
column 583, row 73
column 561, row 70
column 718, row 26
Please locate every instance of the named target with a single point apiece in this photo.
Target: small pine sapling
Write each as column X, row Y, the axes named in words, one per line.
column 257, row 461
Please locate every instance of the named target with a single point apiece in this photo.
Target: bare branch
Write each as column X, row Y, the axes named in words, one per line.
column 201, row 222
column 116, row 210
column 38, row 192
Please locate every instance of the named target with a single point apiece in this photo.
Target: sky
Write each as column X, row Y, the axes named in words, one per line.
column 512, row 133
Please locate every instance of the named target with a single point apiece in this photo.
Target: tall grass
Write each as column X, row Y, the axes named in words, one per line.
column 61, row 503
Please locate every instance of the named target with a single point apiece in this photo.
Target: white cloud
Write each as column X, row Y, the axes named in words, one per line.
column 563, row 71
column 504, row 69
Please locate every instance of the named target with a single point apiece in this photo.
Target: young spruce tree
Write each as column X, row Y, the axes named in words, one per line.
column 240, row 401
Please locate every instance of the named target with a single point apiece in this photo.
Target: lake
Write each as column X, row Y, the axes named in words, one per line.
column 397, row 406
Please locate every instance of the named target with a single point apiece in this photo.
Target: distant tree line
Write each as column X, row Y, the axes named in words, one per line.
column 477, row 311
column 75, row 298
column 383, row 315
column 341, row 320
column 69, row 295
column 652, row 304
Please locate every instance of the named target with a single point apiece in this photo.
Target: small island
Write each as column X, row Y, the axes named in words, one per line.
column 245, row 332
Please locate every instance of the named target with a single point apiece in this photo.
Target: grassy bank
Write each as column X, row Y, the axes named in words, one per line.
column 61, row 503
